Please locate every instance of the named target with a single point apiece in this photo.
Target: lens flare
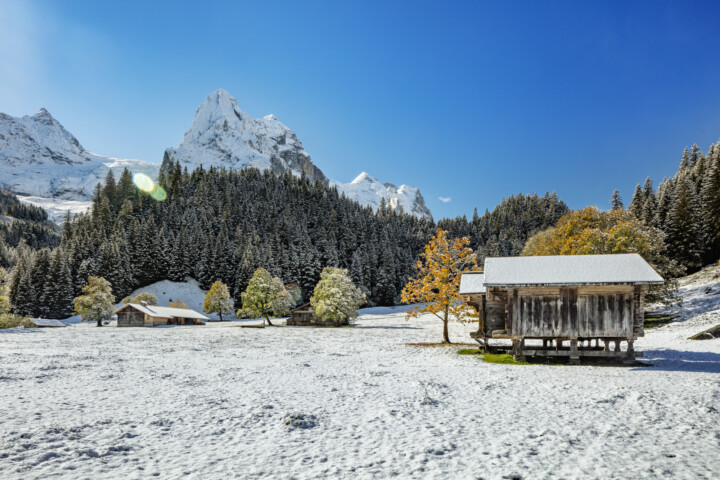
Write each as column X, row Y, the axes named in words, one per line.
column 146, row 184
column 143, row 182
column 158, row 193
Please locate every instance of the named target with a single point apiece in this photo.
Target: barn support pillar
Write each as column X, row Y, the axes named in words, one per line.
column 630, row 352
column 574, row 354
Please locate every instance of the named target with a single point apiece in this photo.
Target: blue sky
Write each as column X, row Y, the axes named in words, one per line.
column 470, row 101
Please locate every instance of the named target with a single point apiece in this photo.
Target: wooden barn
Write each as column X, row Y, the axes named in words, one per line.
column 141, row 315
column 574, row 306
column 305, row 316
column 302, row 316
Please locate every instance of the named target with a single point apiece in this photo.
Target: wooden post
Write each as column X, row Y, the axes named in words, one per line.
column 574, row 354
column 630, row 352
column 516, row 349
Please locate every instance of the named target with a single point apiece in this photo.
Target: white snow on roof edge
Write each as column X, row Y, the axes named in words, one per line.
column 570, row 270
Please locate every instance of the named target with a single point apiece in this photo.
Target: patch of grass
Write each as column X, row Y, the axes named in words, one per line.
column 502, row 359
column 657, row 321
column 469, row 351
column 251, row 326
column 334, row 326
column 441, row 344
column 709, row 334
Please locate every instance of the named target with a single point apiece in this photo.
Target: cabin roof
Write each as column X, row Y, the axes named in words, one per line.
column 46, row 322
column 472, row 282
column 164, row 312
column 569, row 270
column 304, row 306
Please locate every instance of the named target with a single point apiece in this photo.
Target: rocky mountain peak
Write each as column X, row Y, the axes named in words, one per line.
column 222, row 135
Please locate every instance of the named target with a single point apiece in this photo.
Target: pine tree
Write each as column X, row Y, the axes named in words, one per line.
column 616, row 201
column 637, row 202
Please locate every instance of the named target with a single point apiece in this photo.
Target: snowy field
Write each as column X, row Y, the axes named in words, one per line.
column 213, row 402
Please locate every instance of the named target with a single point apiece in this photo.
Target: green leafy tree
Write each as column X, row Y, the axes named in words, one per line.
column 218, row 300
column 4, row 292
column 336, row 298
column 146, row 297
column 96, row 302
column 264, row 297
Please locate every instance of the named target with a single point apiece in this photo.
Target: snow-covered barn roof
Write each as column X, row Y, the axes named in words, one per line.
column 569, row 270
column 164, row 312
column 46, row 322
column 471, row 283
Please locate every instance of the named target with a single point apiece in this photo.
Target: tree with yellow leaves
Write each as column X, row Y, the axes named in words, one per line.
column 436, row 284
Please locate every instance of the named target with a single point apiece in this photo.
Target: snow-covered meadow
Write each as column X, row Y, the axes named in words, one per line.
column 219, row 401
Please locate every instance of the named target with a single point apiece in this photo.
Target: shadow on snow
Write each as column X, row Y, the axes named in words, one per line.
column 682, row 361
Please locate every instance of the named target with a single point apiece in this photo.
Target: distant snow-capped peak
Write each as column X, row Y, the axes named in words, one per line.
column 223, row 135
column 368, row 190
column 40, row 158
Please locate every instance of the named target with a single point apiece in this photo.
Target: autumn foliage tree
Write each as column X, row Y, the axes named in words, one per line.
column 218, row 300
column 436, row 284
column 590, row 231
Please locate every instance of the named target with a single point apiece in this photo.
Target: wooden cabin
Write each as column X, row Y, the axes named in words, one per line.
column 143, row 315
column 574, row 306
column 305, row 316
column 302, row 316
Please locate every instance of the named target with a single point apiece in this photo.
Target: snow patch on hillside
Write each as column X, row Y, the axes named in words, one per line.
column 188, row 291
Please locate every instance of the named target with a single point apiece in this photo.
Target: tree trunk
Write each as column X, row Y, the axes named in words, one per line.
column 269, row 322
column 99, row 322
column 220, row 316
column 446, row 337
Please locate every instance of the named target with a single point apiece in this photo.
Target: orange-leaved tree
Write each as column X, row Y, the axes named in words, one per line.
column 436, row 284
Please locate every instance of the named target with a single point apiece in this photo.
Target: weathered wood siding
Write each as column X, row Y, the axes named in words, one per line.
column 130, row 318
column 572, row 312
column 495, row 316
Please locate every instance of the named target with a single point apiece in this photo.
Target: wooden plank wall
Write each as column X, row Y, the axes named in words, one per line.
column 572, row 312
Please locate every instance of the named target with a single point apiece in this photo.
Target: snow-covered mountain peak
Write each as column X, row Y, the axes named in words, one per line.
column 368, row 190
column 222, row 135
column 365, row 177
column 40, row 158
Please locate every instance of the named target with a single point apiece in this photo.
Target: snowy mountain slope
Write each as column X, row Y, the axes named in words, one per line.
column 368, row 190
column 40, row 158
column 222, row 135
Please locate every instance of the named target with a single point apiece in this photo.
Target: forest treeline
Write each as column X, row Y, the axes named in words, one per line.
column 686, row 207
column 23, row 223
column 221, row 225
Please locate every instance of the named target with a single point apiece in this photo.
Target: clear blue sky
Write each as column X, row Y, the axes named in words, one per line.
column 468, row 100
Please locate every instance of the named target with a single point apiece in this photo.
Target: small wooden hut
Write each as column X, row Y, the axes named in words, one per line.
column 302, row 316
column 305, row 316
column 142, row 315
column 574, row 306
